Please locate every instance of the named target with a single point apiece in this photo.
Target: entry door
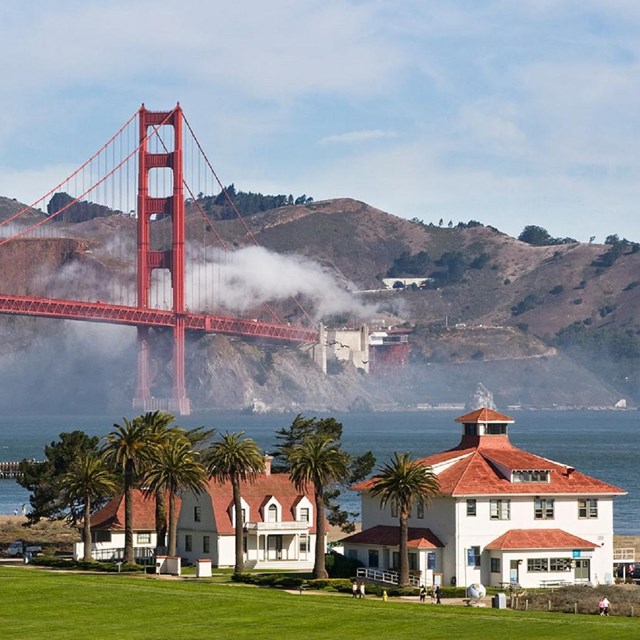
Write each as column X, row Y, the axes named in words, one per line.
column 275, row 547
column 513, row 572
column 582, row 572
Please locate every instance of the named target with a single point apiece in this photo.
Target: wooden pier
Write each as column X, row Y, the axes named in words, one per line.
column 9, row 470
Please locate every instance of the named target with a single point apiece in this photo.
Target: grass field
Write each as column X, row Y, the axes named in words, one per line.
column 54, row 605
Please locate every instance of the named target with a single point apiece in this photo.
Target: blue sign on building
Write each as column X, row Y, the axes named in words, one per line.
column 471, row 557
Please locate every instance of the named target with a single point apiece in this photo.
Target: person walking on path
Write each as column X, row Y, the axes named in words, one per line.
column 361, row 592
column 354, row 588
column 604, row 605
column 438, row 594
column 423, row 594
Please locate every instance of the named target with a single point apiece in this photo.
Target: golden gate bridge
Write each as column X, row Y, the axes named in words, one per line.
column 147, row 174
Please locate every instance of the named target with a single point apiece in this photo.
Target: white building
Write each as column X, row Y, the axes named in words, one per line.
column 279, row 524
column 107, row 529
column 503, row 516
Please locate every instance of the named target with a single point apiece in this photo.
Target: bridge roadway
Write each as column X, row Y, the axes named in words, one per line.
column 135, row 316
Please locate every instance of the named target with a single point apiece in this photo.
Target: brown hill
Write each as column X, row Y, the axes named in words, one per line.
column 541, row 326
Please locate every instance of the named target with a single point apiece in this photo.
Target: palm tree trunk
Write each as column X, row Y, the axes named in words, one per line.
column 237, row 505
column 161, row 519
column 319, row 570
column 129, row 557
column 86, row 534
column 403, row 576
column 173, row 524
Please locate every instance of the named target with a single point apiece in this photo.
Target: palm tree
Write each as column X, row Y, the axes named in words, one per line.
column 235, row 459
column 158, row 423
column 177, row 468
column 88, row 477
column 318, row 460
column 129, row 448
column 404, row 482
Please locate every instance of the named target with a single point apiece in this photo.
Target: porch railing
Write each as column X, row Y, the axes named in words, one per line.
column 142, row 555
column 386, row 576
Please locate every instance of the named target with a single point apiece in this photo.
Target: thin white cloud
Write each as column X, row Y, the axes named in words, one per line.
column 352, row 137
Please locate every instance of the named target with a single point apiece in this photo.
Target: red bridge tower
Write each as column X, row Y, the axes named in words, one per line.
column 172, row 259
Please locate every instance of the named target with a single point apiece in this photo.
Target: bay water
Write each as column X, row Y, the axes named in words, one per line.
column 603, row 444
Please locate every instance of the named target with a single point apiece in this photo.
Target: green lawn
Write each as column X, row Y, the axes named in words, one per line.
column 45, row 604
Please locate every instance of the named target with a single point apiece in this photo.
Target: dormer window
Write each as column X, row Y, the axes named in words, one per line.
column 530, row 475
column 470, row 429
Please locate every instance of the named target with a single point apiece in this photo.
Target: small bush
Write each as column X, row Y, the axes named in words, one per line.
column 67, row 563
column 339, row 566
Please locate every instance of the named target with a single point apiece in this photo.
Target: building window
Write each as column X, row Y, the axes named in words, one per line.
column 470, row 429
column 206, row 544
column 197, row 514
column 496, row 429
column 530, row 475
column 588, row 508
column 475, row 553
column 394, row 508
column 304, row 514
column 272, row 513
column 471, row 507
column 537, row 565
column 100, row 535
column 495, row 565
column 243, row 513
column 420, row 509
column 560, row 564
column 413, row 562
column 543, row 508
column 373, row 558
column 143, row 538
column 500, row 509
column 188, row 542
column 395, row 560
column 304, row 547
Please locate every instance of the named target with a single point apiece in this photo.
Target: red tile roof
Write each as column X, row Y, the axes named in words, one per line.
column 539, row 539
column 484, row 415
column 482, row 465
column 419, row 538
column 256, row 494
column 111, row 516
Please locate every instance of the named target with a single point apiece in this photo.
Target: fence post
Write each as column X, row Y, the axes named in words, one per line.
column 549, row 603
column 575, row 607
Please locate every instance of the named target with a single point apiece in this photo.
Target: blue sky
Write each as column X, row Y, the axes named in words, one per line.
column 510, row 112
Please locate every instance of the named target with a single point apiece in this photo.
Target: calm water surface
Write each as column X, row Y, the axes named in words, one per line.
column 604, row 444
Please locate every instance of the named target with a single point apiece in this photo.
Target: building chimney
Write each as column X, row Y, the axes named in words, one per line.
column 267, row 464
